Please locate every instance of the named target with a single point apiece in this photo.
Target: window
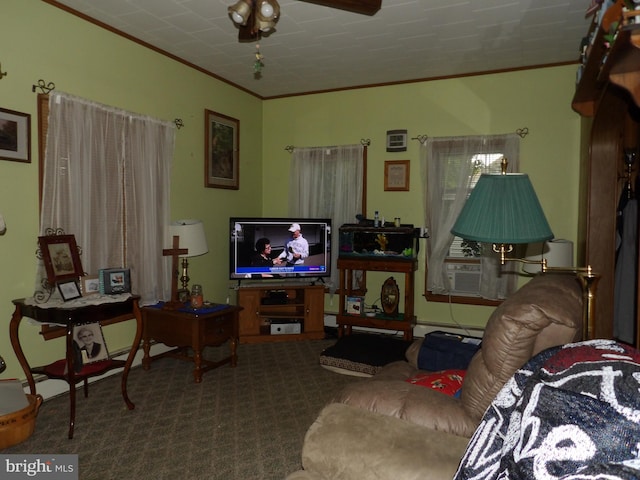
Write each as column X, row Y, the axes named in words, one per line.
column 328, row 182
column 105, row 178
column 457, row 269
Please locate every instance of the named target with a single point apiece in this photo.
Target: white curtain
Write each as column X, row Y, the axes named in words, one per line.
column 449, row 174
column 106, row 180
column 326, row 182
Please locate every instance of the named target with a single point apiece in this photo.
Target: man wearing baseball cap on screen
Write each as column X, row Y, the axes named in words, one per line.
column 297, row 248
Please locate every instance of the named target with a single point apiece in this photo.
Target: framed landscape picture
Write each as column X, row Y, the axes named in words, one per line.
column 61, row 258
column 222, row 151
column 15, row 136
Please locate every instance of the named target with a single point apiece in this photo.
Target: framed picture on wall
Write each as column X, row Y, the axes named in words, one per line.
column 15, row 136
column 222, row 151
column 396, row 175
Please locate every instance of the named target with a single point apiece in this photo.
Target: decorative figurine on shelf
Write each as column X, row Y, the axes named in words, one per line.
column 381, row 239
column 390, row 297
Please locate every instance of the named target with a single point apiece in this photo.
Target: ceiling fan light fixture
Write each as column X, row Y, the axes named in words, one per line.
column 240, row 11
column 265, row 27
column 268, row 10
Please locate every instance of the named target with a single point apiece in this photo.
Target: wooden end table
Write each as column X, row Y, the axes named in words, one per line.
column 193, row 329
column 69, row 317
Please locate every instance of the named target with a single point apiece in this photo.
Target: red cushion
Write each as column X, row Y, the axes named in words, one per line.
column 448, row 382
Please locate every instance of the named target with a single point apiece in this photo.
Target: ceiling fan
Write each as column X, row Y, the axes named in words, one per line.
column 256, row 18
column 365, row 7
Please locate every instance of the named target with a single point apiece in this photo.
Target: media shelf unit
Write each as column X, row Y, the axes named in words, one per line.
column 271, row 309
column 403, row 322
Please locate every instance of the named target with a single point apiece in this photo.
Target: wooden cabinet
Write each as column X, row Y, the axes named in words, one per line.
column 404, row 321
column 278, row 313
column 608, row 98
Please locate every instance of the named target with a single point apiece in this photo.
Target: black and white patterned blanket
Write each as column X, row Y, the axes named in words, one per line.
column 571, row 412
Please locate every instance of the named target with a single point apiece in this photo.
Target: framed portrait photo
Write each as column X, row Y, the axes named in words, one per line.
column 222, row 151
column 15, row 136
column 90, row 342
column 69, row 290
column 61, row 258
column 396, row 175
column 90, row 284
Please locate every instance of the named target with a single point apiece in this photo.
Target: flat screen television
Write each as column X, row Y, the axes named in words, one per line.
column 308, row 256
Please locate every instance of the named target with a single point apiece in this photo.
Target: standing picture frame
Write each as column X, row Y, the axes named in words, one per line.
column 15, row 136
column 90, row 342
column 222, row 151
column 69, row 290
column 61, row 258
column 90, row 285
column 396, row 175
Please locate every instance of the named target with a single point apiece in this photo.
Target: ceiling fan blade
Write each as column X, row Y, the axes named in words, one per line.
column 365, row 7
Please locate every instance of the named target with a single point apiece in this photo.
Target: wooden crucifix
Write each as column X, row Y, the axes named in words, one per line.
column 174, row 253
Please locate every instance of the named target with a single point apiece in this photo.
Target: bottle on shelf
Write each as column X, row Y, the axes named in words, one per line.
column 376, row 219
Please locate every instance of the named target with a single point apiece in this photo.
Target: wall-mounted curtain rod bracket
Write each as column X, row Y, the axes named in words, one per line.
column 179, row 123
column 44, row 87
column 289, row 148
column 522, row 132
column 421, row 138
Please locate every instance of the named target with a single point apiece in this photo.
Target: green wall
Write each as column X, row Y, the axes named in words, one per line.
column 43, row 42
column 490, row 104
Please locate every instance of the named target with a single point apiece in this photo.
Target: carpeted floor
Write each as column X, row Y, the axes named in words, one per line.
column 240, row 423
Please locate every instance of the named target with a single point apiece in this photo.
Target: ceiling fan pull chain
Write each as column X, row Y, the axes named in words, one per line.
column 258, row 64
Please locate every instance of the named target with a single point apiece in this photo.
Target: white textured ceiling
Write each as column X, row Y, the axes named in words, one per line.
column 316, row 48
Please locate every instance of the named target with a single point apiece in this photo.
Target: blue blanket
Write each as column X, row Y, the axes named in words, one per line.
column 572, row 412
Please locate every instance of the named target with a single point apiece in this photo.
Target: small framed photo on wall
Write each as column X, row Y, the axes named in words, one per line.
column 396, row 175
column 222, row 151
column 15, row 136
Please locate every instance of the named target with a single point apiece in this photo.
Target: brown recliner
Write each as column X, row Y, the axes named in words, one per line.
column 385, row 410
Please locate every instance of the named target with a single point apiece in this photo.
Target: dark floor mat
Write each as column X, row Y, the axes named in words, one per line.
column 364, row 354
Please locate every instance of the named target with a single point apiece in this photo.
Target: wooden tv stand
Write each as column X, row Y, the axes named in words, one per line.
column 273, row 313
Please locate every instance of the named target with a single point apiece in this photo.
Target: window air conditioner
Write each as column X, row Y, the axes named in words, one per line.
column 464, row 278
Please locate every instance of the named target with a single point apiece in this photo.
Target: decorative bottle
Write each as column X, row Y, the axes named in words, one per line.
column 196, row 296
column 376, row 219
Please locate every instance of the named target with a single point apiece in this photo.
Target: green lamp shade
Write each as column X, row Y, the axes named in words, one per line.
column 503, row 209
